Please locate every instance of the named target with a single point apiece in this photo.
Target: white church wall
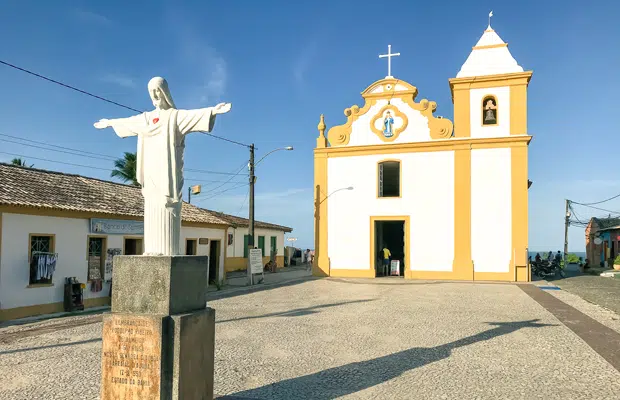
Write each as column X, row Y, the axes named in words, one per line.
column 417, row 125
column 491, row 209
column 502, row 95
column 427, row 197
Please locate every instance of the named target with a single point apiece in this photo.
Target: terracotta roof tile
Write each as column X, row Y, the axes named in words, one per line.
column 31, row 187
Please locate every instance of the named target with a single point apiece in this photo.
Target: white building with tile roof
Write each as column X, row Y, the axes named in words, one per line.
column 83, row 222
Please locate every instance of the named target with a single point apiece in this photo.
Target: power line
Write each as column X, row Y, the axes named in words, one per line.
column 598, row 202
column 100, row 98
column 224, row 191
column 56, row 146
column 75, row 152
column 68, row 86
column 99, row 168
column 231, row 178
column 54, row 161
column 60, row 151
column 244, row 200
column 600, row 209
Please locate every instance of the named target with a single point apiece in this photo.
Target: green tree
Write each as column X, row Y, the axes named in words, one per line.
column 21, row 163
column 572, row 258
column 125, row 169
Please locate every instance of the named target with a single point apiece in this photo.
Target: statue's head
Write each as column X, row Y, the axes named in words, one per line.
column 160, row 94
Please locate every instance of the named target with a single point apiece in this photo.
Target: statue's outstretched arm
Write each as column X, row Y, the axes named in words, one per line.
column 124, row 127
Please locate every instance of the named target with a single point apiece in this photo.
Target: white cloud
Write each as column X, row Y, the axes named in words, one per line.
column 209, row 84
column 89, row 17
column 303, row 62
column 120, row 80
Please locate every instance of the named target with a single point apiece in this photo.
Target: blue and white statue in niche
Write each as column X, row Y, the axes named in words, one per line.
column 388, row 125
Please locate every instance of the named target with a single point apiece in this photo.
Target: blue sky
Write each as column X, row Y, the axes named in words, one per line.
column 283, row 63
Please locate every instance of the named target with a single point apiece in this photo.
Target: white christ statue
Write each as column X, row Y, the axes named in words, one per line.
column 159, row 169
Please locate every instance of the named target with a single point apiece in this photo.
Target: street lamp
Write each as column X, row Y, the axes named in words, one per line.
column 251, row 166
column 335, row 191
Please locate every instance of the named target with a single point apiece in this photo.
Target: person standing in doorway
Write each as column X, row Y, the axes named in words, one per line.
column 386, row 260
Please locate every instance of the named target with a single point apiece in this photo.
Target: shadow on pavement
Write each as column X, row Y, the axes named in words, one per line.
column 51, row 346
column 242, row 290
column 299, row 312
column 351, row 378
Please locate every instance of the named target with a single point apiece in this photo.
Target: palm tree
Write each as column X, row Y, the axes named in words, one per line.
column 125, row 169
column 21, row 163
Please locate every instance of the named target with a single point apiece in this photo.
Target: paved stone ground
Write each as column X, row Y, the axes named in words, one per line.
column 595, row 289
column 353, row 339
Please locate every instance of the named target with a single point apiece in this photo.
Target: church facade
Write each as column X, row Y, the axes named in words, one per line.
column 449, row 200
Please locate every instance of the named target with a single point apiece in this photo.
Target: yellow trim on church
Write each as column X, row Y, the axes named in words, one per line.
column 443, row 140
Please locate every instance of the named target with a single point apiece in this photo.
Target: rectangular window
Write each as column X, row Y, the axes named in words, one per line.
column 261, row 244
column 389, row 179
column 42, row 259
column 246, row 241
column 96, row 259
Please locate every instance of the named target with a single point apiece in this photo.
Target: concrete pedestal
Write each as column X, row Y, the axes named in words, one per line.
column 159, row 339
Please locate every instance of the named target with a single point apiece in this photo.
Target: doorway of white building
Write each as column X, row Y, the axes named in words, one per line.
column 214, row 259
column 132, row 246
column 391, row 235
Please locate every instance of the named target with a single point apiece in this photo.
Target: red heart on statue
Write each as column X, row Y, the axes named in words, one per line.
column 155, row 120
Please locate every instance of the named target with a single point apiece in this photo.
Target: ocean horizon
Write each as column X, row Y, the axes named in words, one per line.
column 542, row 253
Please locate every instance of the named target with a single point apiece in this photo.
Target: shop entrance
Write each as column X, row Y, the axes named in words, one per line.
column 389, row 234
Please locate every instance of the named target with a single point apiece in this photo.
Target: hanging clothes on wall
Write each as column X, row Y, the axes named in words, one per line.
column 42, row 267
column 96, row 285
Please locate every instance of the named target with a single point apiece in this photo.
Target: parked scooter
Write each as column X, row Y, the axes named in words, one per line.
column 545, row 268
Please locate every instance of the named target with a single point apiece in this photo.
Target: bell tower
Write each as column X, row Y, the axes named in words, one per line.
column 490, row 110
column 490, row 91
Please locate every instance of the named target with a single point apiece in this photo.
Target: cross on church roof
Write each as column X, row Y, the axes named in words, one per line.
column 389, row 56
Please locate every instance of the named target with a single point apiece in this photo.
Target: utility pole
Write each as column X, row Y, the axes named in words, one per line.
column 566, row 223
column 251, row 224
column 189, row 195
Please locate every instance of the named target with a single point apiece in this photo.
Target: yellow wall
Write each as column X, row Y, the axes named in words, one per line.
column 241, row 263
column 9, row 314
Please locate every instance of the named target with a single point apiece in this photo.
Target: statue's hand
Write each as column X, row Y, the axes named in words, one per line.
column 222, row 108
column 102, row 124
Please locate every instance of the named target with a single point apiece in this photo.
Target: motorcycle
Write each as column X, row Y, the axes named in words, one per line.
column 544, row 268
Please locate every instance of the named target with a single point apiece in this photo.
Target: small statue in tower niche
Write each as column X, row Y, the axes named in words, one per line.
column 489, row 113
column 388, row 123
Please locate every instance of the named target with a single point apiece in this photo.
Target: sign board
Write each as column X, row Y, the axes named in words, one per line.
column 196, row 189
column 116, row 227
column 598, row 241
column 256, row 261
column 203, row 241
column 291, row 239
column 395, row 267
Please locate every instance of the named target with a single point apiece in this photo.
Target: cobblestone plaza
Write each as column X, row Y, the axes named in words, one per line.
column 354, row 339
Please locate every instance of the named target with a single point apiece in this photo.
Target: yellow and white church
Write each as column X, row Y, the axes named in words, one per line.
column 449, row 200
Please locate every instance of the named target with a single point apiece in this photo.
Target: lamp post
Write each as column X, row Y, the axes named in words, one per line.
column 196, row 189
column 251, row 166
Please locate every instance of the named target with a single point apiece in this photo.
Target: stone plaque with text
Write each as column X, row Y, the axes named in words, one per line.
column 131, row 357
